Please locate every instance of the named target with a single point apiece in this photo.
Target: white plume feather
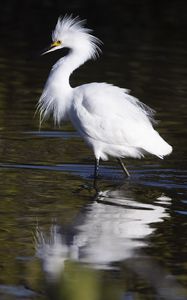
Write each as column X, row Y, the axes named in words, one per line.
column 68, row 26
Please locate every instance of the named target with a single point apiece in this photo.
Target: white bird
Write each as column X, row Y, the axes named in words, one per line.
column 112, row 122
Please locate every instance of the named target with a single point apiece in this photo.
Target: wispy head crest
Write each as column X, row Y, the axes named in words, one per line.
column 68, row 23
column 74, row 25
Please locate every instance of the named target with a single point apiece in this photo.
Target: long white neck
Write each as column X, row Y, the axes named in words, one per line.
column 66, row 65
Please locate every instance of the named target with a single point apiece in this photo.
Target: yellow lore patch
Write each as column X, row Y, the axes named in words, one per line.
column 56, row 43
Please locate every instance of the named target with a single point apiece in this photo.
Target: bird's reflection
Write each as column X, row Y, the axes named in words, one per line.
column 101, row 234
column 113, row 228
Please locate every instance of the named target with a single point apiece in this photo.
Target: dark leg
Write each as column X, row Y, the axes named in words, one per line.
column 96, row 171
column 123, row 167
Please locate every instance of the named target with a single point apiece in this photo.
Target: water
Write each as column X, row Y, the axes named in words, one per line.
column 61, row 240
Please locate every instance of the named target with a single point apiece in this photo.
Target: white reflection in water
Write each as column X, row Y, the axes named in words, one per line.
column 112, row 233
column 52, row 250
column 109, row 230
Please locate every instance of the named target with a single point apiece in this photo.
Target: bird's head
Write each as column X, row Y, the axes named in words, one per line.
column 71, row 33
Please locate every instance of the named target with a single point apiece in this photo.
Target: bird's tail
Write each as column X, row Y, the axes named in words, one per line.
column 156, row 145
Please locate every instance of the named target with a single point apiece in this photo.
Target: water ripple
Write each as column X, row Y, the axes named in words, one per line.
column 167, row 178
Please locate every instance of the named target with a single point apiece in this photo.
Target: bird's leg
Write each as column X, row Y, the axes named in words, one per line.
column 96, row 171
column 123, row 167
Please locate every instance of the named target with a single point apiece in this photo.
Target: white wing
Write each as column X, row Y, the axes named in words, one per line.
column 110, row 115
column 107, row 113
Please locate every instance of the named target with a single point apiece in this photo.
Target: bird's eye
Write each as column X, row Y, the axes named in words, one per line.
column 58, row 43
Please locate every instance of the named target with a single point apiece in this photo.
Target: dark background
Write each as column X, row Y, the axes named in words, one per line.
column 34, row 15
column 123, row 12
column 144, row 49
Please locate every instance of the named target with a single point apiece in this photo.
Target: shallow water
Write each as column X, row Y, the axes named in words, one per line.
column 61, row 240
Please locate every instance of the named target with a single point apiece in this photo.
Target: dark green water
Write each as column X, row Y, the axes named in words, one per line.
column 61, row 241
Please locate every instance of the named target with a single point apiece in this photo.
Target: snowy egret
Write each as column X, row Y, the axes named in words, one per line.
column 110, row 120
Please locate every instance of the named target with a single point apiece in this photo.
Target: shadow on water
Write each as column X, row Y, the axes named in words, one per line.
column 75, row 259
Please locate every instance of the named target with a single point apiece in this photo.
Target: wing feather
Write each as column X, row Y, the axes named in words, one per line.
column 109, row 114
